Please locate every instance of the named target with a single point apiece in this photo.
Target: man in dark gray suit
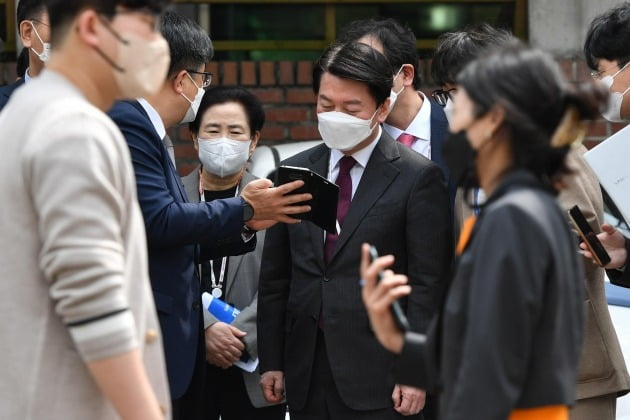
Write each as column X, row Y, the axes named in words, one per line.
column 316, row 331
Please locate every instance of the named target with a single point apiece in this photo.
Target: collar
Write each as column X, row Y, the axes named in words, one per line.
column 518, row 178
column 362, row 156
column 27, row 76
column 155, row 118
column 420, row 126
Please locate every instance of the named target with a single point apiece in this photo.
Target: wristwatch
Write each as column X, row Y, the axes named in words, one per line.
column 248, row 210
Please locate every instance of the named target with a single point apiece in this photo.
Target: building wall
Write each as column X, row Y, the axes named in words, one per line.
column 285, row 90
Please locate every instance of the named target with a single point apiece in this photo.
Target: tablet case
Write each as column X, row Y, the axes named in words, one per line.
column 325, row 195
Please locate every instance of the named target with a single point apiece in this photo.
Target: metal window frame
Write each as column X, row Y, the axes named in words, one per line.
column 520, row 23
column 10, row 42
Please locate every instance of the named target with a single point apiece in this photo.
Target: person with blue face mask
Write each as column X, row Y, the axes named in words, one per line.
column 225, row 134
column 317, row 344
column 34, row 31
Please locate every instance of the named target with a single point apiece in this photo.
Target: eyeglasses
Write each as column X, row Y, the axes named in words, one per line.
column 207, row 77
column 442, row 96
column 597, row 75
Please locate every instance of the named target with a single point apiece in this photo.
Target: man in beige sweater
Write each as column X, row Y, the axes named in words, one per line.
column 80, row 337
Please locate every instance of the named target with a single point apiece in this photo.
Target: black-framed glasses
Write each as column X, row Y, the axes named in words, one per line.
column 207, row 77
column 442, row 96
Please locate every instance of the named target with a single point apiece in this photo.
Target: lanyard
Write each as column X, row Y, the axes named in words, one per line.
column 217, row 291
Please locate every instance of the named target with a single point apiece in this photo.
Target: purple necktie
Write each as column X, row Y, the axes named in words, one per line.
column 406, row 139
column 344, row 181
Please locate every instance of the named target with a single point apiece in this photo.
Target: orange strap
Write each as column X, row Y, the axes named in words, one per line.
column 550, row 412
column 464, row 235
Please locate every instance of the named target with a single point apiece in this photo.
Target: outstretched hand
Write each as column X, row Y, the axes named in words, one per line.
column 274, row 204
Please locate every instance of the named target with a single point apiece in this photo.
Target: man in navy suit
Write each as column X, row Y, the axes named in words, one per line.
column 34, row 29
column 180, row 233
column 414, row 119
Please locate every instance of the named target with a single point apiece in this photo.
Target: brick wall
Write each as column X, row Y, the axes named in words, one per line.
column 284, row 87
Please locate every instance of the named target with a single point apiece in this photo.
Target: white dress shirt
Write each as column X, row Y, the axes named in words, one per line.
column 420, row 128
column 155, row 118
column 362, row 157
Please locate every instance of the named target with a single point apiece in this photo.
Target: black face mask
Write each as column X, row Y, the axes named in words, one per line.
column 460, row 159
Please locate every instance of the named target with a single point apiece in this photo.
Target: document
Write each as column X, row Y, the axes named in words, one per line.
column 226, row 313
column 609, row 161
column 325, row 195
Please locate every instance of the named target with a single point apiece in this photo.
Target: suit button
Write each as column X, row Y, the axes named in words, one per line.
column 196, row 306
column 150, row 336
column 163, row 408
column 326, row 279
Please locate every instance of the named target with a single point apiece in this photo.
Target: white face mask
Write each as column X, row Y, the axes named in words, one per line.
column 393, row 96
column 613, row 110
column 448, row 110
column 141, row 66
column 44, row 56
column 191, row 113
column 343, row 131
column 224, row 156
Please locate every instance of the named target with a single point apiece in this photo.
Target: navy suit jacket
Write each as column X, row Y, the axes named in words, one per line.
column 439, row 131
column 7, row 90
column 175, row 231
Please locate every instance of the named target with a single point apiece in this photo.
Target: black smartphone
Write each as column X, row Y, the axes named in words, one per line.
column 589, row 237
column 397, row 311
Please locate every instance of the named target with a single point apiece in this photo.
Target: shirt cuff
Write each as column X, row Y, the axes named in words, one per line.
column 105, row 337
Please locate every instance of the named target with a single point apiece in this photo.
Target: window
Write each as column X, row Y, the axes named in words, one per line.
column 7, row 30
column 300, row 30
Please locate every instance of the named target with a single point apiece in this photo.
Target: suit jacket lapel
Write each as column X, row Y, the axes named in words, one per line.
column 377, row 177
column 166, row 160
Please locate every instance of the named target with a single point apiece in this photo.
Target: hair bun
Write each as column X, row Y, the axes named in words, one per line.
column 588, row 98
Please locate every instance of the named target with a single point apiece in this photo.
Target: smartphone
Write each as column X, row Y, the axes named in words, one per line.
column 589, row 237
column 397, row 311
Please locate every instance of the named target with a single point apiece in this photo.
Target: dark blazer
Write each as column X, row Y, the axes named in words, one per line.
column 175, row 228
column 439, row 131
column 511, row 327
column 400, row 206
column 7, row 90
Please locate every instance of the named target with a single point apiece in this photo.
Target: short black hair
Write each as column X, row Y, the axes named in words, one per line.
column 30, row 10
column 398, row 41
column 225, row 94
column 456, row 49
column 528, row 84
column 358, row 62
column 22, row 63
column 62, row 12
column 608, row 37
column 190, row 45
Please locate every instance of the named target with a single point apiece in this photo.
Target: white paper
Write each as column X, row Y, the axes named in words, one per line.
column 248, row 366
column 609, row 161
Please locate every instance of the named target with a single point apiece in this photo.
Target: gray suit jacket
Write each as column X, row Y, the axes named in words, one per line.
column 241, row 290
